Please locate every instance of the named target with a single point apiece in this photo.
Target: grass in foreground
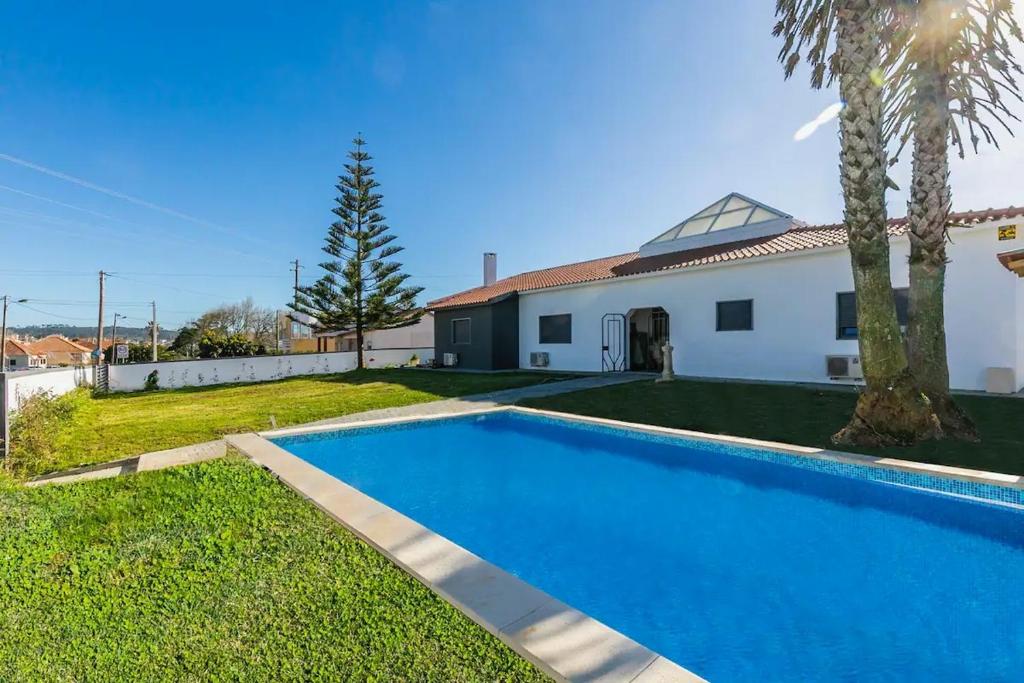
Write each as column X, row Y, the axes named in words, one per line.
column 216, row 571
column 121, row 425
column 796, row 415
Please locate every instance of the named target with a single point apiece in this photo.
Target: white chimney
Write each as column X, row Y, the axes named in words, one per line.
column 490, row 268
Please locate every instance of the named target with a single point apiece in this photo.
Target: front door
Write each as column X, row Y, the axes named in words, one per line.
column 648, row 332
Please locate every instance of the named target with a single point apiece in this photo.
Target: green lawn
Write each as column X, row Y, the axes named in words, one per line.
column 119, row 425
column 215, row 571
column 795, row 415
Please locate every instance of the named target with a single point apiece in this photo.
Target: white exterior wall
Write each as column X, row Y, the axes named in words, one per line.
column 794, row 314
column 21, row 386
column 417, row 336
column 213, row 371
column 1020, row 334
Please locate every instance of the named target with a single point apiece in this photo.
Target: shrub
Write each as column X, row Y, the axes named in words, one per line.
column 414, row 360
column 152, row 381
column 34, row 430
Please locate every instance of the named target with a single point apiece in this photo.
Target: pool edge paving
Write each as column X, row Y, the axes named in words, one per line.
column 563, row 642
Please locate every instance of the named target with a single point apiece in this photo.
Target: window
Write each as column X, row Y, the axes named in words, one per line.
column 556, row 329
column 461, row 330
column 846, row 312
column 735, row 316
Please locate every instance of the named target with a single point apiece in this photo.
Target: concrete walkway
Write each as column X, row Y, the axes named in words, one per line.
column 464, row 404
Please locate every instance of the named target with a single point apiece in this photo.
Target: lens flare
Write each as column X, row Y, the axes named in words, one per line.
column 827, row 114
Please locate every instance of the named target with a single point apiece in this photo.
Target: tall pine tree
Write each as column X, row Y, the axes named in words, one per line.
column 361, row 289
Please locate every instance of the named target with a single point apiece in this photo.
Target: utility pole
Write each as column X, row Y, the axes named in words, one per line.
column 296, row 267
column 3, row 332
column 99, row 326
column 154, row 331
column 113, row 341
column 3, row 345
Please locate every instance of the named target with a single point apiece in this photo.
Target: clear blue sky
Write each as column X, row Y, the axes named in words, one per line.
column 548, row 132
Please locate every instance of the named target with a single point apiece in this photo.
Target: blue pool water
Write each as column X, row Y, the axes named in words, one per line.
column 740, row 565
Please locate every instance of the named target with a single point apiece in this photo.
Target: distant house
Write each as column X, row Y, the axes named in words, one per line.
column 61, row 351
column 21, row 356
column 743, row 291
column 295, row 332
column 419, row 335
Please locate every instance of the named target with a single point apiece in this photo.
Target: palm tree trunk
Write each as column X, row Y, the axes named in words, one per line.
column 928, row 214
column 891, row 410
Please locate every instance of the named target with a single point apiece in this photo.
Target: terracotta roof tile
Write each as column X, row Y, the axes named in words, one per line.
column 56, row 343
column 13, row 347
column 795, row 240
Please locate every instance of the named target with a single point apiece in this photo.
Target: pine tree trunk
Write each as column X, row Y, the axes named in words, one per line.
column 891, row 410
column 359, row 346
column 928, row 214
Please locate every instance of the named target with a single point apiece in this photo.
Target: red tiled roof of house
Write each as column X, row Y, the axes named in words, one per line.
column 13, row 347
column 794, row 240
column 56, row 343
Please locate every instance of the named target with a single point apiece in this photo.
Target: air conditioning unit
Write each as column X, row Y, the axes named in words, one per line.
column 451, row 360
column 844, row 367
column 539, row 359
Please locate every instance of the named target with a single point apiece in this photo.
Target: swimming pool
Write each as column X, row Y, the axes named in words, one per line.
column 737, row 563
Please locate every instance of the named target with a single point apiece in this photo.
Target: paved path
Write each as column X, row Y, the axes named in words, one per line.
column 464, row 404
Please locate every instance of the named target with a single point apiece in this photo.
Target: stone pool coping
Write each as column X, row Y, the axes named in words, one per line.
column 911, row 466
column 562, row 641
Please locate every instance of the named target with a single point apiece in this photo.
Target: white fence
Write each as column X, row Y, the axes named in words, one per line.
column 212, row 371
column 22, row 385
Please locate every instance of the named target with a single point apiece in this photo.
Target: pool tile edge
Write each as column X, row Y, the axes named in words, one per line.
column 563, row 642
column 910, row 466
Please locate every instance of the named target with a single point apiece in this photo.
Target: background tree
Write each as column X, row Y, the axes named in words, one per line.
column 139, row 352
column 843, row 39
column 216, row 344
column 361, row 289
column 950, row 60
column 243, row 320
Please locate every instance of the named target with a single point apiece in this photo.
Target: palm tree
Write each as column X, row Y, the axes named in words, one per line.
column 948, row 57
column 890, row 410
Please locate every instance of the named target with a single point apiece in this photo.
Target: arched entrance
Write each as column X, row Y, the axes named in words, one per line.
column 648, row 332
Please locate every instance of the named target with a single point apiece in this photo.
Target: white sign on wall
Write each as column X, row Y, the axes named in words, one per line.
column 122, row 351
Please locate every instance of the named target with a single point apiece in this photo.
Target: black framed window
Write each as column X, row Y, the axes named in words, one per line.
column 846, row 312
column 735, row 316
column 556, row 329
column 461, row 330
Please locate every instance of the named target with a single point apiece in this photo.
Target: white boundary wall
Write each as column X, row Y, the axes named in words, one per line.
column 213, row 371
column 22, row 385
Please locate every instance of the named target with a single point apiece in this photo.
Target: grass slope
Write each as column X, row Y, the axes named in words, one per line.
column 215, row 572
column 120, row 425
column 796, row 415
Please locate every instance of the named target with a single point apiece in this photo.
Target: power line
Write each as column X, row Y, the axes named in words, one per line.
column 128, row 198
column 172, row 287
column 53, row 315
column 148, row 228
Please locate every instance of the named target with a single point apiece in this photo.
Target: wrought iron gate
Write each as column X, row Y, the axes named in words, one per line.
column 613, row 342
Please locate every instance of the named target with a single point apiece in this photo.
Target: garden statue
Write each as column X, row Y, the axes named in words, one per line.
column 666, row 363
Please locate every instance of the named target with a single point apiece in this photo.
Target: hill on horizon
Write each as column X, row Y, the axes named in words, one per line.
column 87, row 332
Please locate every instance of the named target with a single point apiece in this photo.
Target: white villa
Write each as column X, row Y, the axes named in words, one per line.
column 743, row 291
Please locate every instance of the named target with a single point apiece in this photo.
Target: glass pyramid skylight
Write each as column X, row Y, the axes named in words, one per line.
column 742, row 217
column 732, row 212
